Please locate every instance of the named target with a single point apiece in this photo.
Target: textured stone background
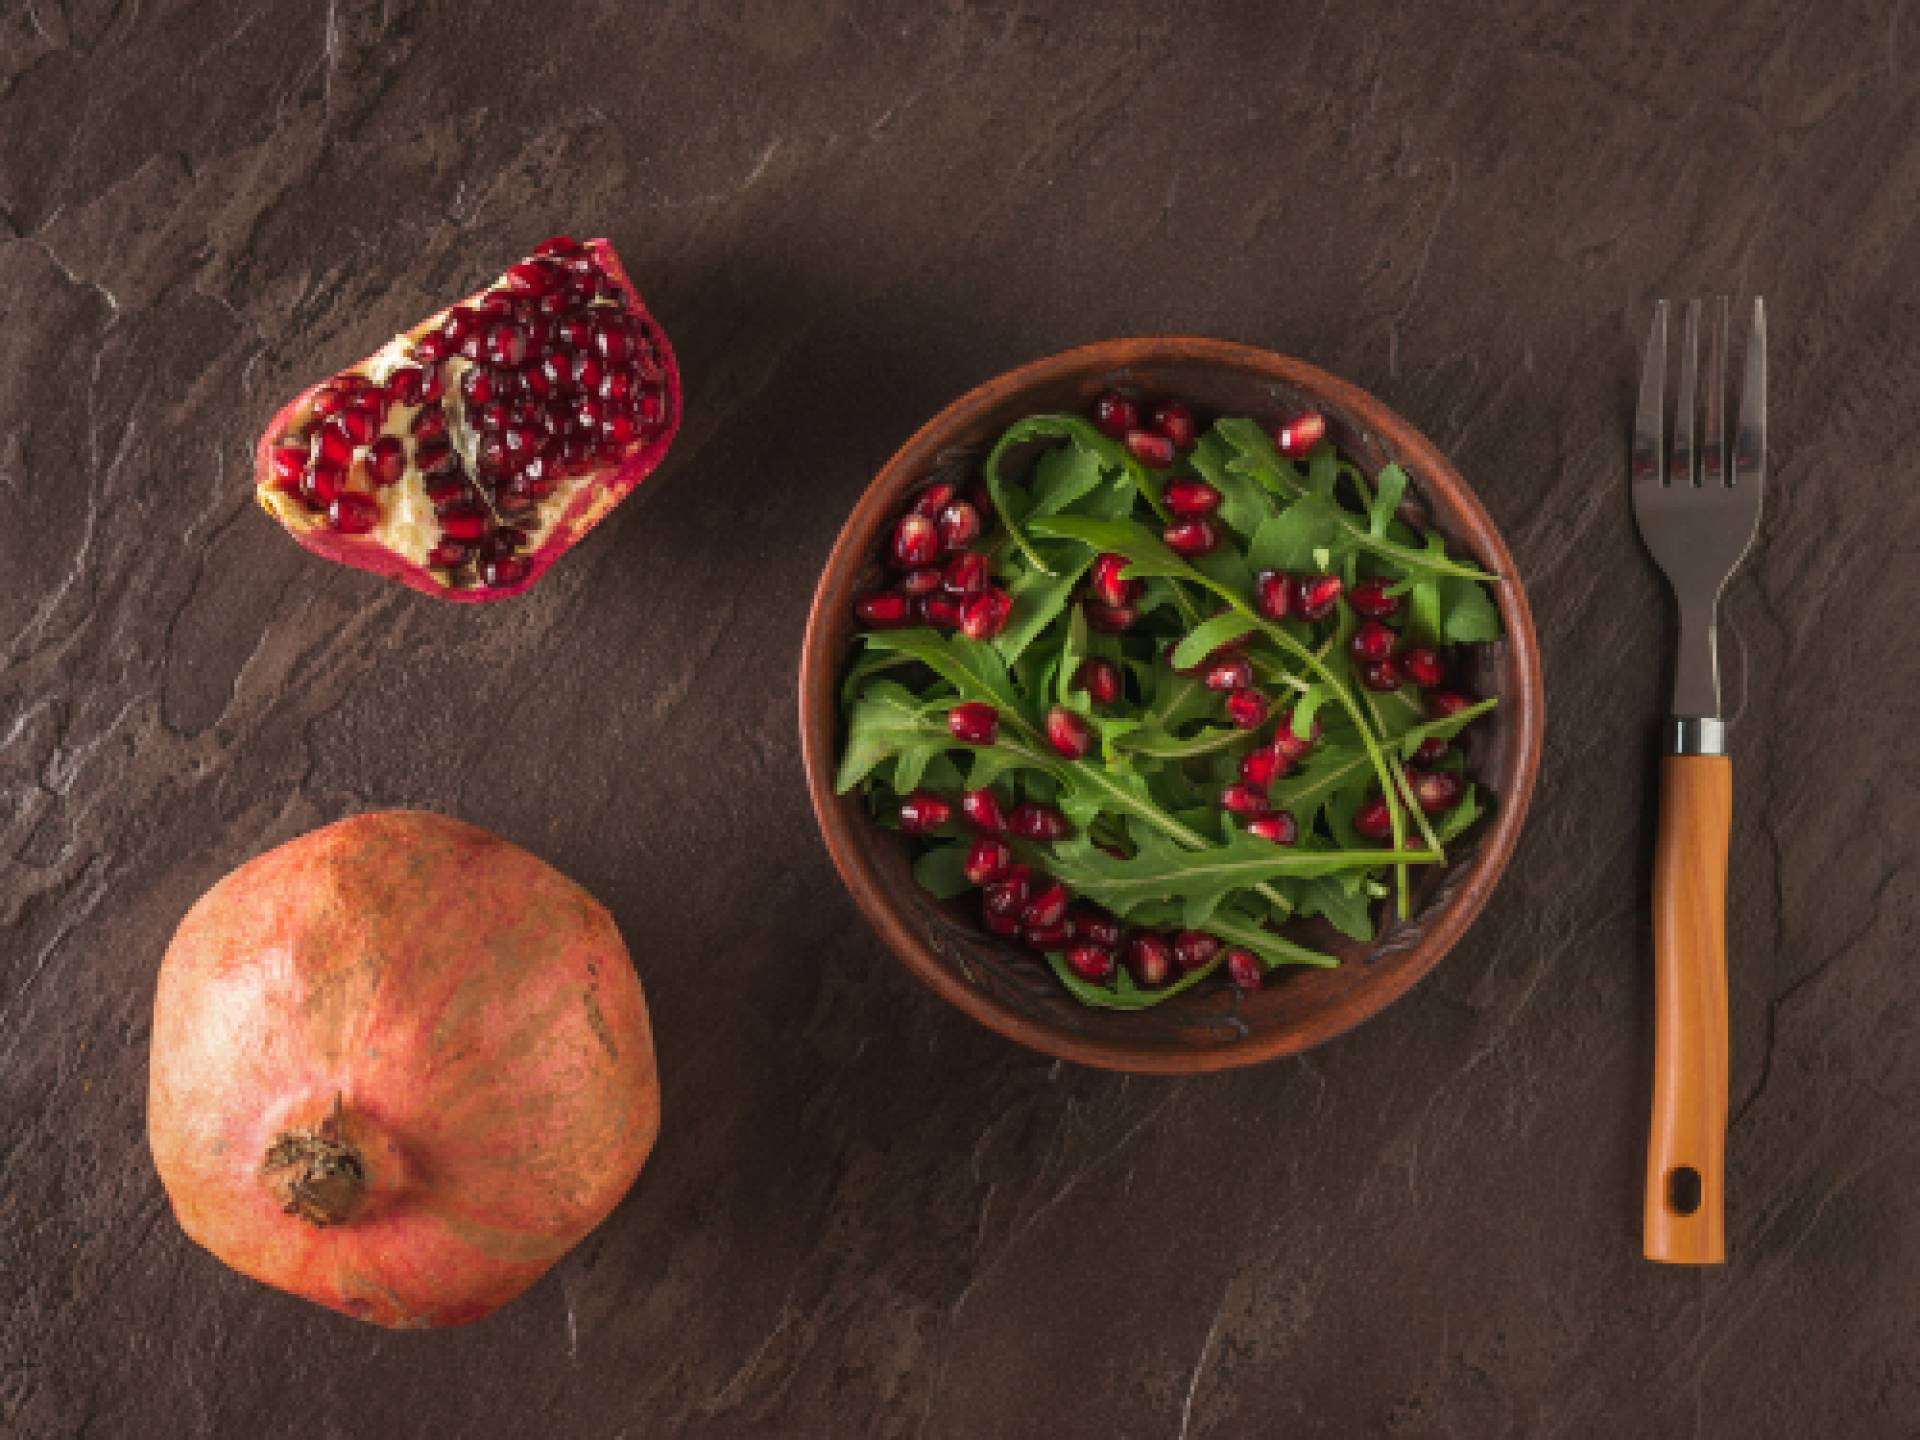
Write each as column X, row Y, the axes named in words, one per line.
column 867, row 1216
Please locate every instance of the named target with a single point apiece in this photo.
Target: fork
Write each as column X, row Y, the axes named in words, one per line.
column 1697, row 519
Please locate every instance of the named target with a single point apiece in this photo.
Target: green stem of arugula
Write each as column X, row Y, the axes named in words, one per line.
column 1403, row 902
column 1239, row 934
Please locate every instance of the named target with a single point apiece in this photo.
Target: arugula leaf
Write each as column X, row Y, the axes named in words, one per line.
column 1202, row 881
column 1208, row 636
column 1471, row 617
column 941, row 871
column 1245, row 504
column 885, row 722
column 1273, row 949
column 1255, row 450
column 1389, row 486
column 973, row 667
column 1038, row 599
column 1342, row 899
column 1288, row 541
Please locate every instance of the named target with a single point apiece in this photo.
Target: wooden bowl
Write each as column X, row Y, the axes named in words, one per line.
column 1210, row 1028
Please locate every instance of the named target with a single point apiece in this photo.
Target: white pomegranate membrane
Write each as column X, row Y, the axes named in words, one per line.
column 456, row 456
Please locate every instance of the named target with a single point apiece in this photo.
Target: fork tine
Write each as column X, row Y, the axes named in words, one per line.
column 1713, row 443
column 1680, row 466
column 1648, row 435
column 1750, row 436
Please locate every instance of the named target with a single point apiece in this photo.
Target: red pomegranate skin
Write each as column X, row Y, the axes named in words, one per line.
column 465, row 1018
column 588, row 507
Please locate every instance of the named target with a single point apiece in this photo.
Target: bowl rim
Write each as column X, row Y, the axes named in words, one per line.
column 821, row 663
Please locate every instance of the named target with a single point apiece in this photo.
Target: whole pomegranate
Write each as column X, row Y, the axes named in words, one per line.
column 466, row 456
column 399, row 1067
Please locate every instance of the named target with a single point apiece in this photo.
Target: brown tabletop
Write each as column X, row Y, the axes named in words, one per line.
column 866, row 1216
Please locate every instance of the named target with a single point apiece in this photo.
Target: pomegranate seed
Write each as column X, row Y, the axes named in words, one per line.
column 974, row 723
column 461, row 321
column 430, row 424
column 985, row 615
column 1047, row 938
column 988, row 860
column 561, row 245
column 336, row 444
column 289, row 464
column 1273, row 594
column 1194, row 949
column 1372, row 642
column 1191, row 499
column 1373, row 820
column 353, row 513
column 433, row 387
column 932, row 500
column 1114, row 415
column 329, row 401
column 1228, row 672
column 1104, row 580
column 1371, row 599
column 1279, row 827
column 530, row 278
column 1442, row 703
column 1100, row 679
column 322, row 483
column 1175, row 421
column 612, row 341
column 1068, row 733
column 447, row 554
column 968, row 573
column 432, row 347
column 1149, row 960
column 1244, row 969
column 618, row 429
column 1005, row 926
column 1422, row 666
column 920, row 582
column 940, row 610
column 435, row 457
column 916, row 541
column 883, row 611
column 1094, row 925
column 1008, row 895
column 463, row 523
column 1301, row 434
column 616, row 389
column 445, row 490
column 1436, row 790
column 1153, row 451
column 1381, row 675
column 1092, row 963
column 1261, row 767
column 959, row 525
column 1431, row 751
column 1048, row 906
column 504, row 570
column 1247, row 709
column 1314, row 595
column 1110, row 619
column 923, row 812
column 1243, row 800
column 1190, row 537
column 404, row 386
column 982, row 808
column 387, row 460
column 1033, row 821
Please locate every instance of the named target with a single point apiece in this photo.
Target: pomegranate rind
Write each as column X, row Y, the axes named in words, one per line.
column 594, row 498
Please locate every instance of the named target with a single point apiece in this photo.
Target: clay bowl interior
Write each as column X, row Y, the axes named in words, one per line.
column 1000, row 984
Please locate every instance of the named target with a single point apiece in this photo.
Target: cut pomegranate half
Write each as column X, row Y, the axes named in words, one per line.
column 466, row 456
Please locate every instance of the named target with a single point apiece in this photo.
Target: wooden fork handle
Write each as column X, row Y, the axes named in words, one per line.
column 1686, row 1149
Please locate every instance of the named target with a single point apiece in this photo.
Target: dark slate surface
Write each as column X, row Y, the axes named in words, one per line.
column 867, row 1216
